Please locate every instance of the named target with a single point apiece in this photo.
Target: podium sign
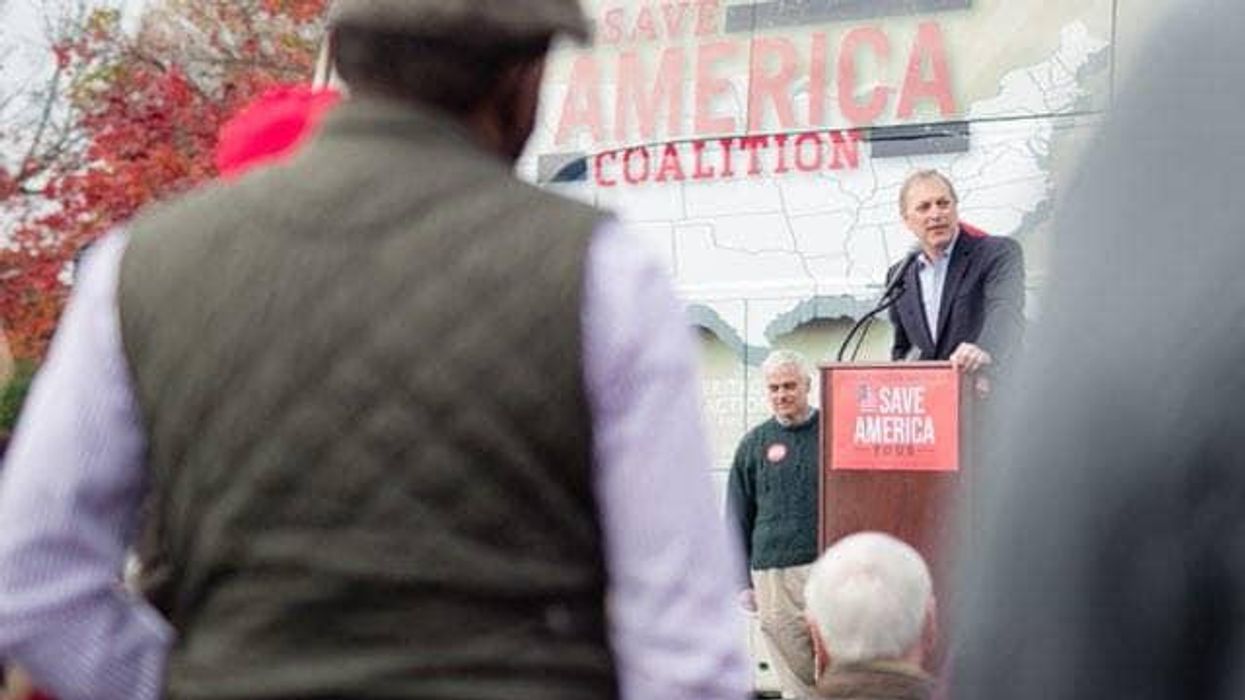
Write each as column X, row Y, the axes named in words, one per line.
column 896, row 457
column 894, row 418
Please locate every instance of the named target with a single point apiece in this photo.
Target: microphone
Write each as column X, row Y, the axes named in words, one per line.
column 897, row 282
column 893, row 292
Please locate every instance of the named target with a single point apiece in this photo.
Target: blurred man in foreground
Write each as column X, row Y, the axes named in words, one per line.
column 1110, row 563
column 399, row 421
column 870, row 604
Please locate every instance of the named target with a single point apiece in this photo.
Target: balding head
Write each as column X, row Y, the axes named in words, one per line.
column 870, row 597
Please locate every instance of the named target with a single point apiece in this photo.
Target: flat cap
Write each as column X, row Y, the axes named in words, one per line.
column 512, row 19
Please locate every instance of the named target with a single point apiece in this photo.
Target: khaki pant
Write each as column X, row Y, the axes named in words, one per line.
column 780, row 606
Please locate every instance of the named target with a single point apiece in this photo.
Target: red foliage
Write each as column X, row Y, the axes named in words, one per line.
column 298, row 10
column 8, row 184
column 149, row 111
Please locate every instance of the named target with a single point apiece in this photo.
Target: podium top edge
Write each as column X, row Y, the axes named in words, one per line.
column 922, row 364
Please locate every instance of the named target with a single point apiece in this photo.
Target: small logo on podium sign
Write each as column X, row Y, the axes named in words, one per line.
column 867, row 398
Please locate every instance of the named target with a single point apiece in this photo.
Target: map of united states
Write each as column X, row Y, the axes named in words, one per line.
column 804, row 245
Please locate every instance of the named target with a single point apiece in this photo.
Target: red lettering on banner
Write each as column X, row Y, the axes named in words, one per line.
column 707, row 21
column 801, row 162
column 612, row 26
column 668, row 19
column 599, row 169
column 709, row 87
column 650, row 100
column 667, row 88
column 675, row 14
column 846, row 150
column 582, row 107
column 629, row 174
column 775, row 87
column 774, row 154
column 670, row 164
column 728, row 169
column 753, row 145
column 645, row 25
column 701, row 172
column 857, row 113
column 817, row 81
column 780, row 145
column 927, row 48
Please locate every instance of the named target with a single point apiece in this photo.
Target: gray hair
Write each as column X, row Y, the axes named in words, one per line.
column 868, row 596
column 788, row 358
column 920, row 176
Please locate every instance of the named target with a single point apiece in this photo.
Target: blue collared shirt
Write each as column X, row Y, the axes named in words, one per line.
column 933, row 275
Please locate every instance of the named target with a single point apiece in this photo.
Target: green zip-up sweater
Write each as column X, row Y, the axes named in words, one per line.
column 772, row 495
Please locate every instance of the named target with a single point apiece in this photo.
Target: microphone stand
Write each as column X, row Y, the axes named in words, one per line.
column 890, row 295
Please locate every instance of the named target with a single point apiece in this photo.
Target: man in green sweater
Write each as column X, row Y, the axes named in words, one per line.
column 772, row 499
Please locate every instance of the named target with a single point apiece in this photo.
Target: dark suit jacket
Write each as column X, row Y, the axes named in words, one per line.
column 982, row 302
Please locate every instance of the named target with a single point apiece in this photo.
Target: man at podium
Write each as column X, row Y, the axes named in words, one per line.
column 960, row 293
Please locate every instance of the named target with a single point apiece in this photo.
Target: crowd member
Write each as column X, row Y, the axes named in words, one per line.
column 962, row 291
column 399, row 421
column 1110, row 563
column 772, row 501
column 871, row 613
column 264, row 132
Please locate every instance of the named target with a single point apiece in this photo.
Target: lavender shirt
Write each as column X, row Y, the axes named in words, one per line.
column 75, row 475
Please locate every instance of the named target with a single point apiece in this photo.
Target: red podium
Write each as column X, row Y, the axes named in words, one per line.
column 896, row 457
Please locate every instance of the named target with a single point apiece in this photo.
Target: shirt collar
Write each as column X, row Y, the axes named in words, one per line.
column 924, row 260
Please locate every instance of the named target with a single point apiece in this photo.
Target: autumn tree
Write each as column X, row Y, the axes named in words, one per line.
column 131, row 118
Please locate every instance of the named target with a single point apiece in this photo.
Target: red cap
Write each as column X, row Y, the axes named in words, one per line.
column 270, row 128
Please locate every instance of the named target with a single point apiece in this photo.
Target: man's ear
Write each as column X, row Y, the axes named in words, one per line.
column 515, row 104
column 821, row 654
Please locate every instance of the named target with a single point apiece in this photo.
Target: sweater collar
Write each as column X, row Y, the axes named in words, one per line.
column 381, row 116
column 796, row 425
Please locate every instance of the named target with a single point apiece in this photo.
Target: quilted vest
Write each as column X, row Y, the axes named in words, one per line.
column 369, row 442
